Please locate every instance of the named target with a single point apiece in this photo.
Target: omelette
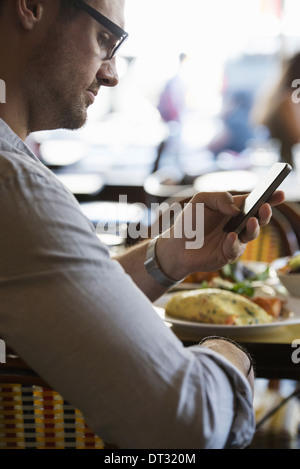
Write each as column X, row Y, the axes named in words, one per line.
column 216, row 306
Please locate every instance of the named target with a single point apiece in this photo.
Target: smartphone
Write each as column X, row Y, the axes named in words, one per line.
column 260, row 195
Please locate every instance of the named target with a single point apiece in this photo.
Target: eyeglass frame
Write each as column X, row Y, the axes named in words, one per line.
column 113, row 28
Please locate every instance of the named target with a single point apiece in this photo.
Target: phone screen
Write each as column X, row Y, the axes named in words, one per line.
column 260, row 194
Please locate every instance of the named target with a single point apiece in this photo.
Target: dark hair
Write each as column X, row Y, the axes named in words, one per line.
column 1, row 5
column 69, row 8
column 291, row 70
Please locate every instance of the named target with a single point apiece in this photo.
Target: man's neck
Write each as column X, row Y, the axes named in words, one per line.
column 13, row 111
column 15, row 126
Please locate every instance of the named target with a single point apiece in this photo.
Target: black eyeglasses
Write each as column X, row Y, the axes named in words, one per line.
column 109, row 46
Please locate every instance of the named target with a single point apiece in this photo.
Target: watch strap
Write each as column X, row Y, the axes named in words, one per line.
column 153, row 268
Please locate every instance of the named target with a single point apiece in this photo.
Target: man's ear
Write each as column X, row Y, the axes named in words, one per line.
column 30, row 12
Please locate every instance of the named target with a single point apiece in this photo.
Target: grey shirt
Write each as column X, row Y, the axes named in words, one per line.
column 75, row 317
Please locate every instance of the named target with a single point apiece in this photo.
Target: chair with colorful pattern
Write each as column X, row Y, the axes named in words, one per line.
column 278, row 239
column 34, row 416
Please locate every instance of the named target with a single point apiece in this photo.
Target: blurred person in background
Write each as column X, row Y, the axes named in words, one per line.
column 236, row 129
column 278, row 112
column 172, row 105
column 172, row 101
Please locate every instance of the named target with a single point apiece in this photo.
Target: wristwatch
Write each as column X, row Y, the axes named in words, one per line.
column 153, row 268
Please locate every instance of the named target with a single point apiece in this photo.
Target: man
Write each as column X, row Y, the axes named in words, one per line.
column 86, row 323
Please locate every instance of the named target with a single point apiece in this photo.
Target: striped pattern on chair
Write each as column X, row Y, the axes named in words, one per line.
column 266, row 248
column 278, row 239
column 34, row 417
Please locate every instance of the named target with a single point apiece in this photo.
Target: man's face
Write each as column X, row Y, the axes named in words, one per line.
column 65, row 71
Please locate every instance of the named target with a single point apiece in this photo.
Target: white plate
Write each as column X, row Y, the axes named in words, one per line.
column 293, row 304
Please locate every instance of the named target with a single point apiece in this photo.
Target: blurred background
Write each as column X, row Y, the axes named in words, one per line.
column 195, row 80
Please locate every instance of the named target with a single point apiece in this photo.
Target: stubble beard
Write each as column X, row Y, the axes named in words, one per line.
column 56, row 112
column 55, row 99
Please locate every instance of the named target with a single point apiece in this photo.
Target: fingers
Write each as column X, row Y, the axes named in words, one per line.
column 233, row 248
column 227, row 204
column 277, row 198
column 235, row 245
column 252, row 230
column 264, row 214
column 265, row 211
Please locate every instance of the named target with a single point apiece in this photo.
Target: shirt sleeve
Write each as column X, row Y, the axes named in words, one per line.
column 76, row 318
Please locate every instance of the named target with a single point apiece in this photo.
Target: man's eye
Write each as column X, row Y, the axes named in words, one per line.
column 103, row 40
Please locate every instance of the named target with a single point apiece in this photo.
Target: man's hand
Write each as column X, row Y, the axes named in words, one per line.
column 219, row 248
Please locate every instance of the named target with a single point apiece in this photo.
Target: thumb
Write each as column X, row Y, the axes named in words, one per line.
column 219, row 201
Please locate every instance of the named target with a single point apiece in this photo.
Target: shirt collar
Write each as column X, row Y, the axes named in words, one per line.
column 10, row 140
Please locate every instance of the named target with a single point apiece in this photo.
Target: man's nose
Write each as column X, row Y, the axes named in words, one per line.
column 107, row 74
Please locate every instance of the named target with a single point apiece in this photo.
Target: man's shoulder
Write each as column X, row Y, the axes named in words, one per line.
column 16, row 165
column 12, row 160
